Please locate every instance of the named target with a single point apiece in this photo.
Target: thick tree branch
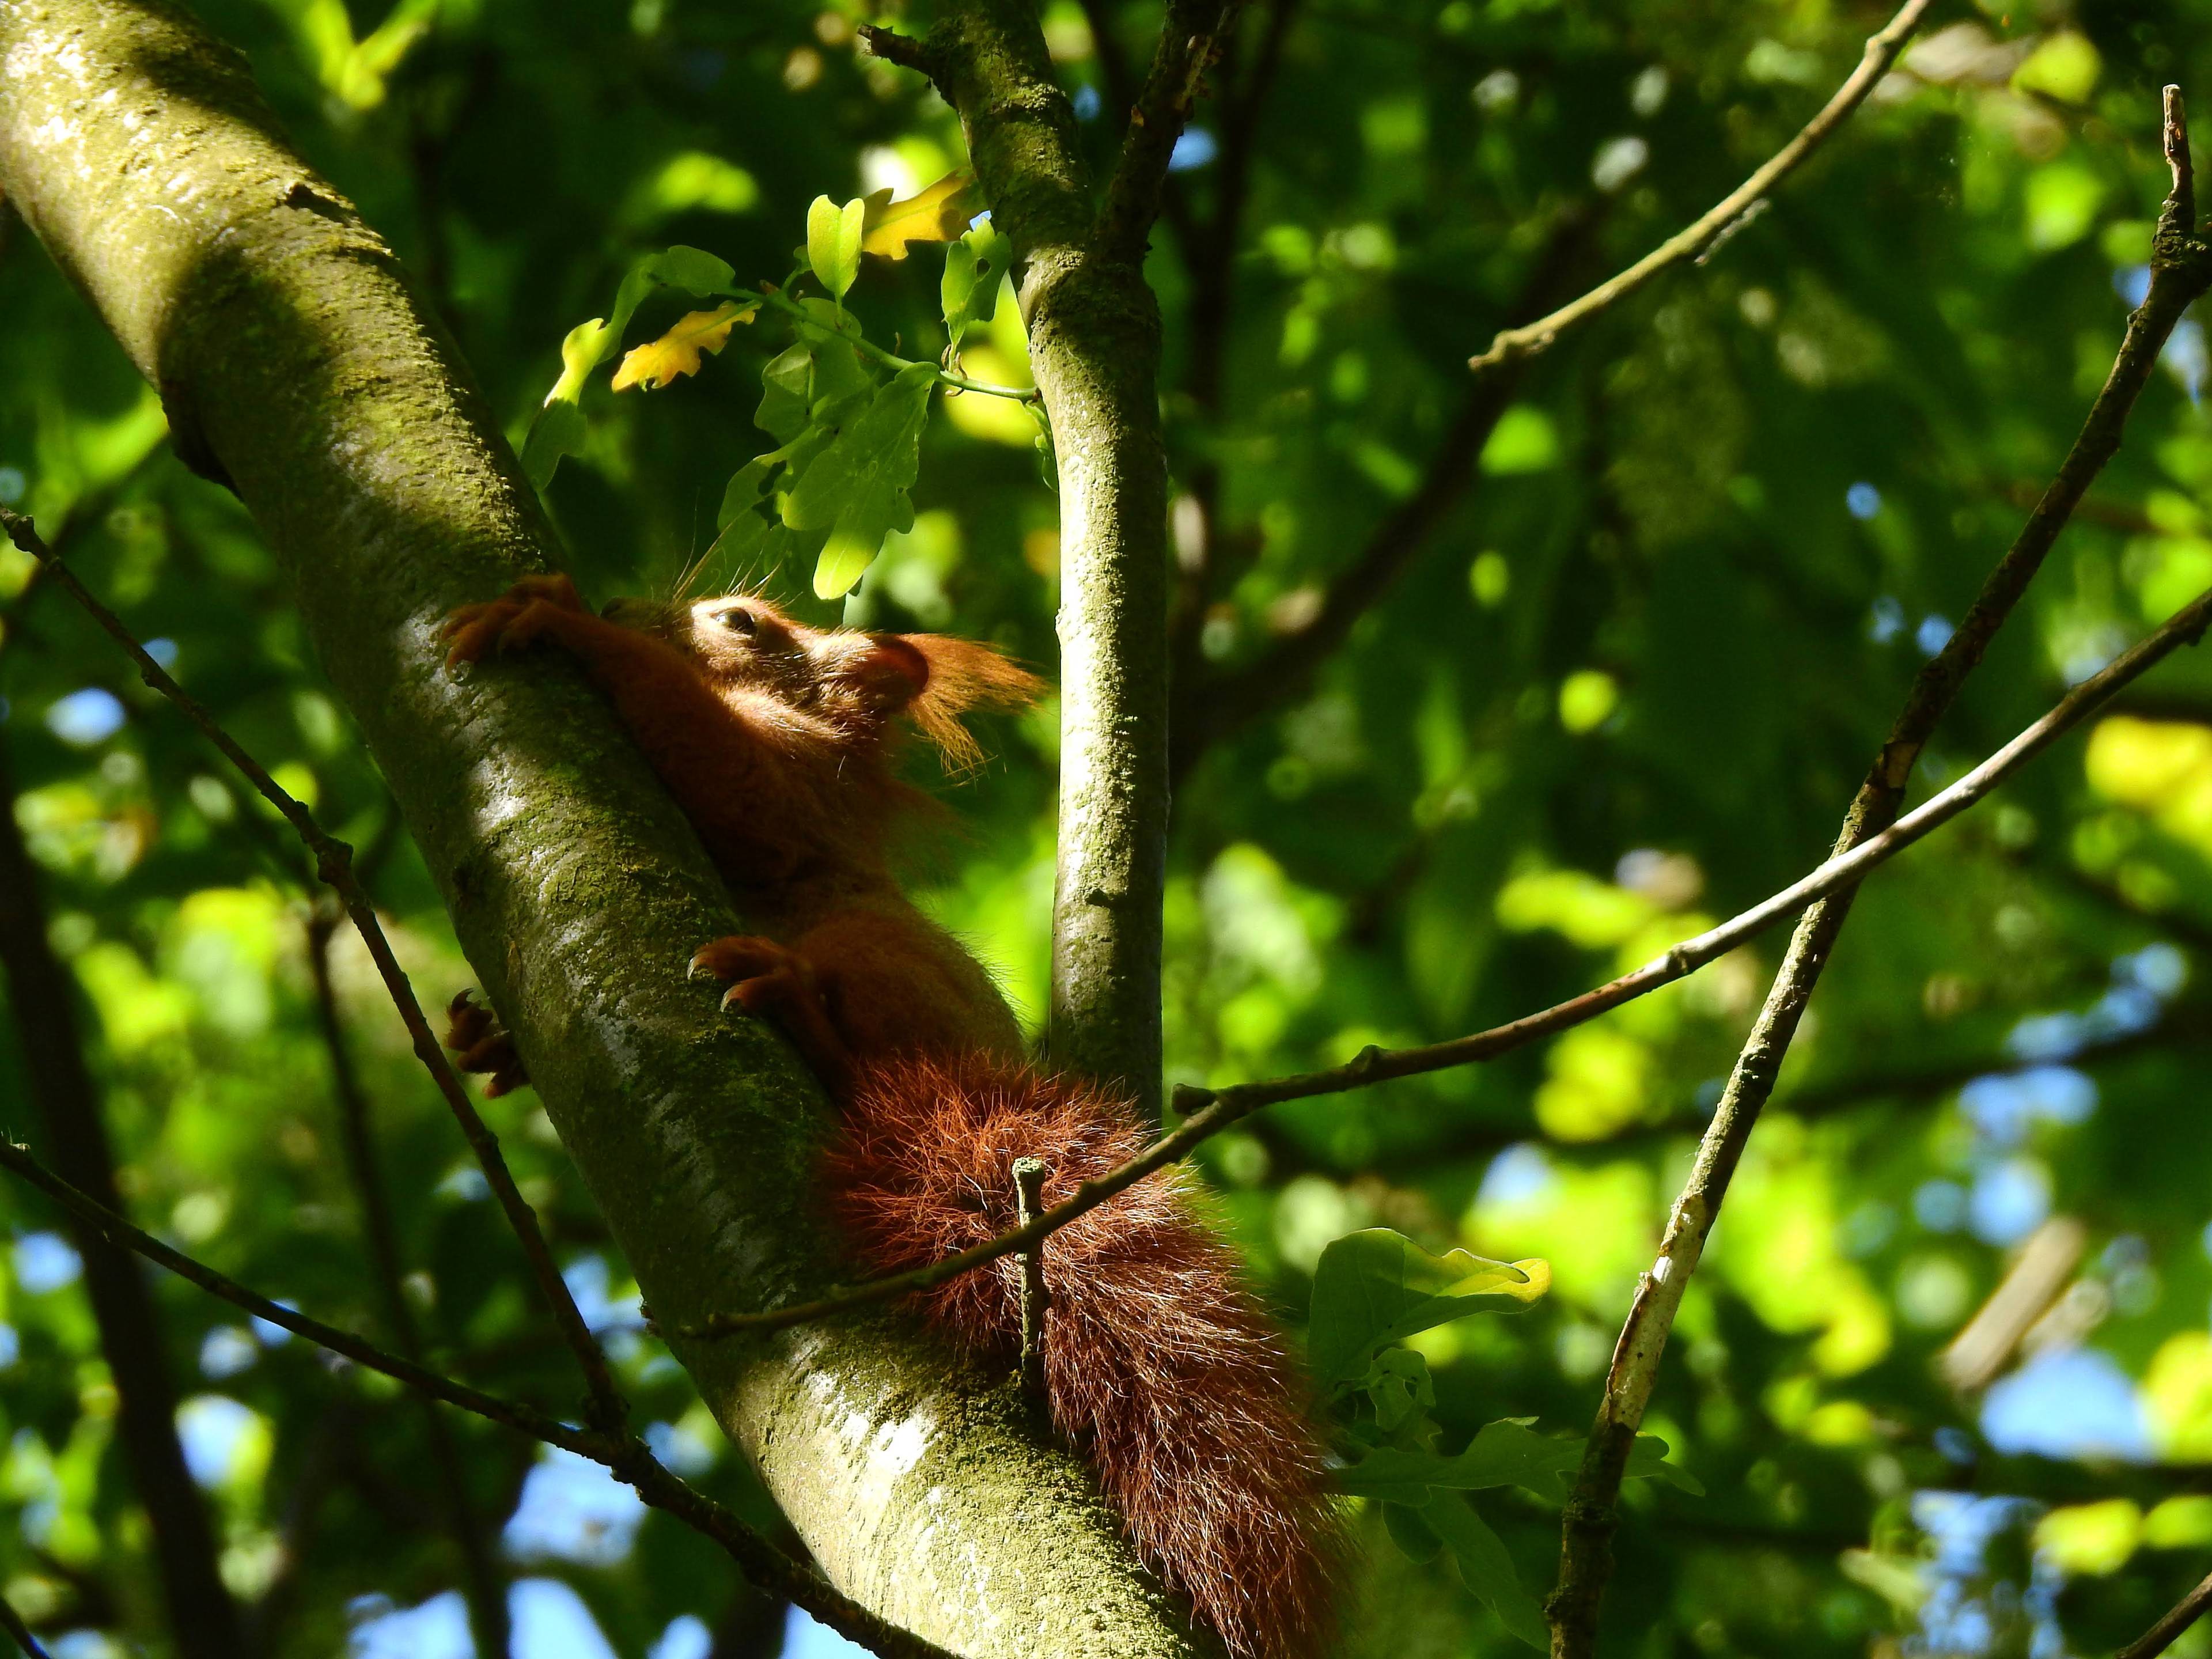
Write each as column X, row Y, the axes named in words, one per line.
column 294, row 358
column 1094, row 344
column 2181, row 268
column 1881, row 50
column 1212, row 1111
column 62, row 1092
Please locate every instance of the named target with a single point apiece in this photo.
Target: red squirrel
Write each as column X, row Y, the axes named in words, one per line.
column 777, row 740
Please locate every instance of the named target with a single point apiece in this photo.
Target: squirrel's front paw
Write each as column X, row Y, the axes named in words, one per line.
column 482, row 1044
column 763, row 975
column 510, row 622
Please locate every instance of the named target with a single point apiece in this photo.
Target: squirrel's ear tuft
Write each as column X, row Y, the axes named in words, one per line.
column 964, row 675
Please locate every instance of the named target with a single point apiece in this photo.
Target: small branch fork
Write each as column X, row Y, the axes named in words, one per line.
column 1191, row 39
column 1209, row 1112
column 2181, row 270
column 617, row 1451
column 334, row 864
column 1696, row 239
column 1029, row 1188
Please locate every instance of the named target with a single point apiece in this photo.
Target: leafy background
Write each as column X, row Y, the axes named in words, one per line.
column 1627, row 687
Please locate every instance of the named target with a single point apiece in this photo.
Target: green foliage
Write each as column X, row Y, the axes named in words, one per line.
column 850, row 434
column 1624, row 688
column 1374, row 1288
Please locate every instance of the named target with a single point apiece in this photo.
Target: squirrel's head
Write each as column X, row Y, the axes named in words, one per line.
column 861, row 681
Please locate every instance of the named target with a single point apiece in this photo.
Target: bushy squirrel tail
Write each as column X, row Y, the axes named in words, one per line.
column 1161, row 1368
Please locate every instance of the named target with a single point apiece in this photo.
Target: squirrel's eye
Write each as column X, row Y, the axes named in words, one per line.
column 739, row 621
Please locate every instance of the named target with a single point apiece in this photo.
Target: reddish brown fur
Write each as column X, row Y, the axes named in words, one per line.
column 776, row 738
column 1159, row 1364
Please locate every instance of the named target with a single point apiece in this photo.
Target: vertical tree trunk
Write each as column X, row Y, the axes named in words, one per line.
column 1095, row 342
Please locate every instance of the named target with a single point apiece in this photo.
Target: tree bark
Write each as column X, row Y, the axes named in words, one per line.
column 1094, row 331
column 201, row 1611
column 294, row 362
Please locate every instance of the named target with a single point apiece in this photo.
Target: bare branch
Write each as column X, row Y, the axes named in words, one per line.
column 2183, row 1614
column 526, row 1420
column 1881, row 50
column 620, row 1452
column 18, row 1632
column 486, row 1594
column 2181, row 268
column 1190, row 38
column 334, row 864
column 1029, row 1187
column 1206, row 711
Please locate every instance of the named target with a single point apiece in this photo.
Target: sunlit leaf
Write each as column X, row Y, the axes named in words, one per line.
column 969, row 291
column 939, row 213
column 833, row 243
column 1377, row 1287
column 658, row 361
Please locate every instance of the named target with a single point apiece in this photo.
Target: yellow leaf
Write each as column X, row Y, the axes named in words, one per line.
column 939, row 214
column 658, row 361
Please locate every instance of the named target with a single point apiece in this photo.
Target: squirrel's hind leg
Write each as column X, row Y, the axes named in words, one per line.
column 778, row 983
column 474, row 1034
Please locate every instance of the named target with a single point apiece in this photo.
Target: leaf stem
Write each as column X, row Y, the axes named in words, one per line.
column 868, row 348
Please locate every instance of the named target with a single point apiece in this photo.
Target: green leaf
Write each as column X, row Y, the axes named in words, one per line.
column 558, row 429
column 802, row 377
column 1412, row 1533
column 748, row 489
column 692, row 270
column 833, row 242
column 856, row 486
column 1502, row 1454
column 1400, row 1389
column 1647, row 1459
column 1486, row 1568
column 1377, row 1287
column 969, row 287
column 882, row 439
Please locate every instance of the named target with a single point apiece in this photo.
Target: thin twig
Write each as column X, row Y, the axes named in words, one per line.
column 621, row 1453
column 1029, row 1191
column 1190, row 38
column 334, row 864
column 1212, row 1111
column 1881, row 51
column 1207, row 708
column 2179, row 1618
column 487, row 1596
column 526, row 1420
column 12, row 1622
column 2180, row 270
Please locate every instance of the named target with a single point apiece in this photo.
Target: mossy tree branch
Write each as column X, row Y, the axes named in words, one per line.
column 295, row 363
column 1094, row 331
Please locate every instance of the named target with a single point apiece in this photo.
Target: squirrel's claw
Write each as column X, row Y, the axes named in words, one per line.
column 474, row 632
column 480, row 1044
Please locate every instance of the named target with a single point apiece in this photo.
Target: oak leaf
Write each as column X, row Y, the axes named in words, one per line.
column 656, row 362
column 939, row 213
